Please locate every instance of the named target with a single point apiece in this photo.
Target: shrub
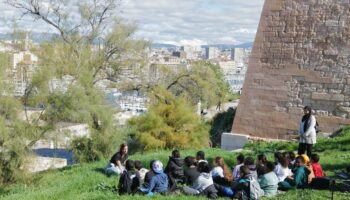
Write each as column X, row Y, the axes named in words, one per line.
column 100, row 145
column 221, row 123
column 83, row 150
column 13, row 152
column 169, row 123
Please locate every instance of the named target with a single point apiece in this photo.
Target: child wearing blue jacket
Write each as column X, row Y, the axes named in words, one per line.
column 159, row 182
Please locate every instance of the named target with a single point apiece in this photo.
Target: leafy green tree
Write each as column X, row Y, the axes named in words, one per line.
column 93, row 47
column 169, row 123
column 201, row 81
column 13, row 131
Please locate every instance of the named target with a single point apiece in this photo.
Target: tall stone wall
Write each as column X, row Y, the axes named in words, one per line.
column 301, row 56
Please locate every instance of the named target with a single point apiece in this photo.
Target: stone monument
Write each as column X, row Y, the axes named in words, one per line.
column 301, row 56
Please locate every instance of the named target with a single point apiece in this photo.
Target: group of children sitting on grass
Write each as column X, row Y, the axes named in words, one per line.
column 247, row 180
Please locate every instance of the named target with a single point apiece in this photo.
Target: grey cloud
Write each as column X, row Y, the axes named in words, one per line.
column 211, row 21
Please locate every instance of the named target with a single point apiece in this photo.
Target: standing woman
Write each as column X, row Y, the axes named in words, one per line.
column 307, row 132
column 117, row 162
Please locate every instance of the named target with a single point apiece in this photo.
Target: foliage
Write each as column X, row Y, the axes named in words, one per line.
column 197, row 81
column 233, row 96
column 169, row 123
column 88, row 48
column 83, row 150
column 4, row 66
column 11, row 159
column 13, row 132
column 203, row 82
column 340, row 142
column 270, row 147
column 222, row 122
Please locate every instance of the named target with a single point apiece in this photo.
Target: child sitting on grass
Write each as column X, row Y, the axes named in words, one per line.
column 149, row 175
column 249, row 162
column 200, row 157
column 300, row 177
column 236, row 169
column 291, row 159
column 282, row 170
column 204, row 185
column 320, row 181
column 260, row 164
column 191, row 173
column 316, row 167
column 159, row 182
column 308, row 165
column 269, row 181
column 247, row 186
column 220, row 173
column 174, row 167
column 128, row 182
column 140, row 171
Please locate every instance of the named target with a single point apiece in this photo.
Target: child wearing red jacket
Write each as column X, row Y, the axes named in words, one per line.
column 316, row 167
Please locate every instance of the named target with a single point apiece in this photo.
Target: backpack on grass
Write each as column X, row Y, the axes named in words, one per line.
column 128, row 183
column 254, row 192
column 321, row 183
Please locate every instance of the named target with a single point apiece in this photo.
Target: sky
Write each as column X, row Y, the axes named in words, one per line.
column 179, row 22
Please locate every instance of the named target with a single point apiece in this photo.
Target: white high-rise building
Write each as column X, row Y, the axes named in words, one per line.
column 191, row 51
column 239, row 54
column 23, row 64
column 211, row 52
column 236, row 69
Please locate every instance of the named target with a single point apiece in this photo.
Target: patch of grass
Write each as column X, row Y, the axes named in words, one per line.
column 87, row 181
column 271, row 147
column 339, row 143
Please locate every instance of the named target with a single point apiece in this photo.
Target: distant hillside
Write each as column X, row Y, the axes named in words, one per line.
column 220, row 46
column 35, row 37
column 229, row 46
column 245, row 45
column 42, row 37
column 160, row 45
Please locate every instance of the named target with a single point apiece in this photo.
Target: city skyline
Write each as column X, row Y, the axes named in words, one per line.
column 197, row 22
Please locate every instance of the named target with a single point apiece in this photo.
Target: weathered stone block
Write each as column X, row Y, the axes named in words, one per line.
column 38, row 164
column 344, row 109
column 295, row 110
column 322, row 112
column 233, row 141
column 332, row 91
column 327, row 96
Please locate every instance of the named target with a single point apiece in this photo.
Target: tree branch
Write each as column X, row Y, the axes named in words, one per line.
column 177, row 80
column 41, row 135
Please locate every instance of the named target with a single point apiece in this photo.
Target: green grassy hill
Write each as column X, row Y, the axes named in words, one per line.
column 87, row 181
